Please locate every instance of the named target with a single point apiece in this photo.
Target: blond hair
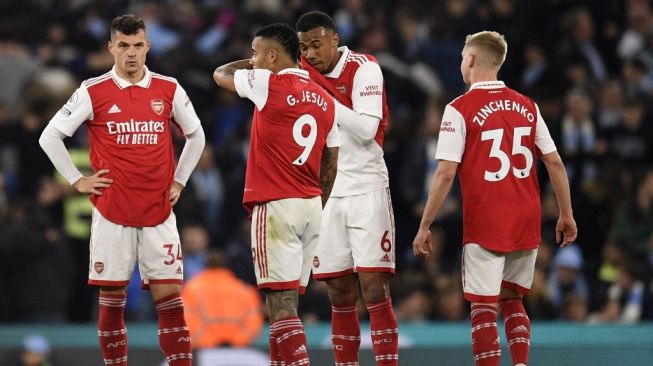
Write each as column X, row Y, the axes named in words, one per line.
column 492, row 45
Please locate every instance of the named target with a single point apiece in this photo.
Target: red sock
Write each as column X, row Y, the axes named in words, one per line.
column 518, row 329
column 174, row 337
column 111, row 329
column 345, row 334
column 275, row 355
column 485, row 337
column 385, row 336
column 291, row 340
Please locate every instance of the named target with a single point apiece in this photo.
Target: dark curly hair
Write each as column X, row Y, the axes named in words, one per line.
column 314, row 19
column 284, row 35
column 126, row 24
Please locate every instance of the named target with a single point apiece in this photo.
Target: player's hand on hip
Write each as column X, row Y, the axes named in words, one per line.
column 566, row 231
column 175, row 192
column 422, row 244
column 94, row 184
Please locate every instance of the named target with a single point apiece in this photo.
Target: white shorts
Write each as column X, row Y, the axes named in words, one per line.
column 357, row 235
column 485, row 272
column 284, row 235
column 115, row 249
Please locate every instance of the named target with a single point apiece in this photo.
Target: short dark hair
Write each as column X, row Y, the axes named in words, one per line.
column 127, row 24
column 283, row 34
column 314, row 19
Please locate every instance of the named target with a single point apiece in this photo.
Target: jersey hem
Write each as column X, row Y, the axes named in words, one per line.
column 350, row 193
column 129, row 223
column 249, row 205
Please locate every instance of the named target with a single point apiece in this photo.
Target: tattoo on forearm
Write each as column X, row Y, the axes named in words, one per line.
column 328, row 170
column 230, row 68
column 282, row 304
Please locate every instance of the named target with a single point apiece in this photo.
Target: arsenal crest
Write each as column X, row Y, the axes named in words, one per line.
column 99, row 267
column 157, row 106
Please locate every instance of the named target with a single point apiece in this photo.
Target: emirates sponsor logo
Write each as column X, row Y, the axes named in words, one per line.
column 132, row 126
column 99, row 267
column 157, row 106
column 316, row 262
column 136, row 132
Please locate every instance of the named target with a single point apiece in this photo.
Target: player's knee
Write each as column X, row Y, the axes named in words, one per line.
column 375, row 291
column 343, row 290
column 341, row 296
column 113, row 290
column 507, row 294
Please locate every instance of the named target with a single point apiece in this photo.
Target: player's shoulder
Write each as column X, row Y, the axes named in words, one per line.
column 359, row 58
column 459, row 101
column 98, row 80
column 163, row 78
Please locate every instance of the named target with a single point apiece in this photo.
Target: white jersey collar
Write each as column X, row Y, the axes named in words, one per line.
column 294, row 71
column 494, row 84
column 335, row 73
column 122, row 83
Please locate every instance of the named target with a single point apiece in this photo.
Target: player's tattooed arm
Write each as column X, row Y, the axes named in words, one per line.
column 224, row 75
column 328, row 169
column 283, row 304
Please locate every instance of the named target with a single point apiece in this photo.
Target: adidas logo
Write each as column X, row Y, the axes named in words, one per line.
column 114, row 109
column 300, row 349
column 520, row 329
column 179, row 271
column 385, row 258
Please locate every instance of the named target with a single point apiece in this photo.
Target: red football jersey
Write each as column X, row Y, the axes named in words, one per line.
column 342, row 79
column 496, row 134
column 129, row 134
column 294, row 119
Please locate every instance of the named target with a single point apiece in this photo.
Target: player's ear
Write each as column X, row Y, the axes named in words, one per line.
column 471, row 61
column 110, row 47
column 273, row 55
column 336, row 40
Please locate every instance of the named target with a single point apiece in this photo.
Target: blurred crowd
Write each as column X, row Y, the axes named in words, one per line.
column 588, row 64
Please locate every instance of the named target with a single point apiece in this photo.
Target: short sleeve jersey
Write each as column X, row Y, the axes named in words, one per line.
column 361, row 168
column 294, row 119
column 129, row 134
column 496, row 134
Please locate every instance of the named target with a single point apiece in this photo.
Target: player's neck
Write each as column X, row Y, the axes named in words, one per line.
column 482, row 76
column 333, row 64
column 132, row 78
column 285, row 65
